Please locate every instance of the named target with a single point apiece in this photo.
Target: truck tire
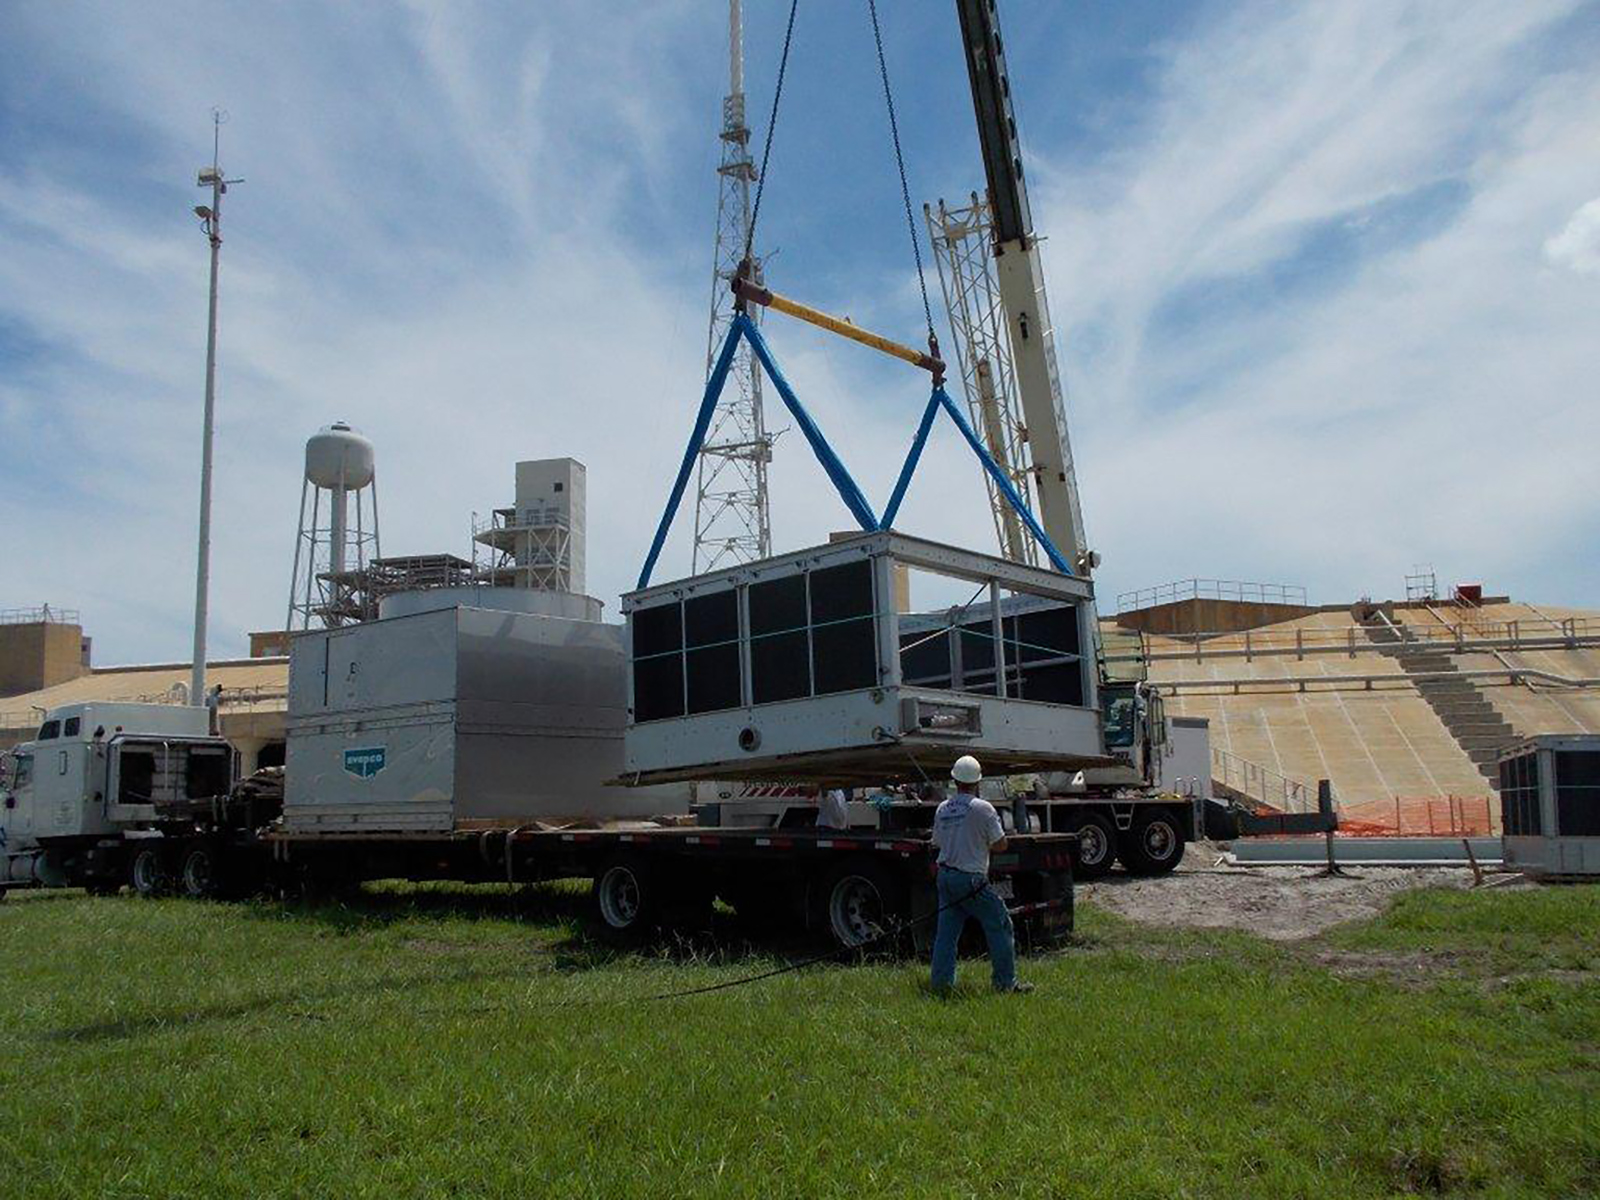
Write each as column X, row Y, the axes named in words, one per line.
column 624, row 900
column 1154, row 844
column 1097, row 845
column 199, row 875
column 148, row 873
column 859, row 904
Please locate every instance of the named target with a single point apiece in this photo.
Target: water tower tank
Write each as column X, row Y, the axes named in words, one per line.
column 338, row 456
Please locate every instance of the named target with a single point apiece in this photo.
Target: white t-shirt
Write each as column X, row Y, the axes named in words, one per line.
column 964, row 827
column 831, row 811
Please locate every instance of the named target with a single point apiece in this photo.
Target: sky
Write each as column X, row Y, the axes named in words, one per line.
column 1325, row 279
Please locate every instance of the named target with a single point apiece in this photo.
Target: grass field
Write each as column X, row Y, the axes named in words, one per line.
column 425, row 1042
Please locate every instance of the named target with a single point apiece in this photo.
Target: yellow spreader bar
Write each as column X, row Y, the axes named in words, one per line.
column 756, row 294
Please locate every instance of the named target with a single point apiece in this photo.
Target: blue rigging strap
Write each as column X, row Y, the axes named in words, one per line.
column 702, row 423
column 1001, row 482
column 913, row 456
column 848, row 491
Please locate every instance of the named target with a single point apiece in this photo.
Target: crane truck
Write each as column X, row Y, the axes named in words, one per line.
column 1132, row 812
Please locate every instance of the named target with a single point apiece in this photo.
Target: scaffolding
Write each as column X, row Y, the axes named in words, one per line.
column 1422, row 583
column 530, row 548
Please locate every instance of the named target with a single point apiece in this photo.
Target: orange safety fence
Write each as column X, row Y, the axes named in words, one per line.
column 1421, row 816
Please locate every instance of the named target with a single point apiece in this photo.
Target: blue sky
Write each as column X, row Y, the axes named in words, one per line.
column 1326, row 279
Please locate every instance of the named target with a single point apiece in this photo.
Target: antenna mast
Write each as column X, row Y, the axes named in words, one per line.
column 211, row 224
column 731, row 521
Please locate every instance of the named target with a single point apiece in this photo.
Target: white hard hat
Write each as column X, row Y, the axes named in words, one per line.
column 966, row 770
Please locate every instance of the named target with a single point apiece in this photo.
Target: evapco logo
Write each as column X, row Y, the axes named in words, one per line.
column 365, row 762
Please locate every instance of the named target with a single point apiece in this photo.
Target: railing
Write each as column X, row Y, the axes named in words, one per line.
column 1211, row 589
column 43, row 615
column 1535, row 633
column 1259, row 784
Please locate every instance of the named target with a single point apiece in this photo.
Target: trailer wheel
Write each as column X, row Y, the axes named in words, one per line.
column 103, row 887
column 858, row 904
column 1097, row 845
column 624, row 900
column 199, row 874
column 1154, row 845
column 148, row 872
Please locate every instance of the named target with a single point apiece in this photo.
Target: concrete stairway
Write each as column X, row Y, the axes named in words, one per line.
column 1479, row 730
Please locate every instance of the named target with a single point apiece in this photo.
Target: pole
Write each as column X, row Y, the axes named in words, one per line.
column 202, row 582
column 1325, row 808
column 211, row 219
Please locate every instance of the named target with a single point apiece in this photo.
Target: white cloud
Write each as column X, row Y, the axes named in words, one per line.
column 446, row 237
column 1577, row 246
column 1428, row 400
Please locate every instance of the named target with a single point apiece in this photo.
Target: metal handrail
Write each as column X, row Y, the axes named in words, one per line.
column 45, row 614
column 1547, row 633
column 1211, row 589
column 1262, row 784
column 1408, row 679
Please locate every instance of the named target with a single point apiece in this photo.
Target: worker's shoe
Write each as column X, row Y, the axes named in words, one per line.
column 1019, row 988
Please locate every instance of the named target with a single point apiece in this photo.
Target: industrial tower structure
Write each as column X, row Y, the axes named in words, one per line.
column 332, row 554
column 963, row 250
column 731, row 522
column 1012, row 380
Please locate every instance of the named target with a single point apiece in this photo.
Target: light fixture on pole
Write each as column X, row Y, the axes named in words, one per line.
column 211, row 223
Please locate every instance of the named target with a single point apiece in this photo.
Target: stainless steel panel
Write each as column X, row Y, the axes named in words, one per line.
column 476, row 716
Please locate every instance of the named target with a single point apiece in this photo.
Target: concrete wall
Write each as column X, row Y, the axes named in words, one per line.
column 1210, row 616
column 39, row 655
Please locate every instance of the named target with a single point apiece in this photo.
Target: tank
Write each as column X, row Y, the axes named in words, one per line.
column 339, row 456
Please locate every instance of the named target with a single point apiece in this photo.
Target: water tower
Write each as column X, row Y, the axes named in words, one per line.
column 333, row 549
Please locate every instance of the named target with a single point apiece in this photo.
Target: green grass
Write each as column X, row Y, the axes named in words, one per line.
column 438, row 1042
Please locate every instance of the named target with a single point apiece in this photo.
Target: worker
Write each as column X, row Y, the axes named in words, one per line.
column 966, row 829
column 831, row 810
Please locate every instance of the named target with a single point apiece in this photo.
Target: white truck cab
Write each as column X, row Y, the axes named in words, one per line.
column 93, row 774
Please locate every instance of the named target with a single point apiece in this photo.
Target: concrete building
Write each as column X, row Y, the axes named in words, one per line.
column 40, row 647
column 253, row 701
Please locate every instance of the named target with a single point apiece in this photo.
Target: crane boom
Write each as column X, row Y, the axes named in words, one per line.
column 1020, row 278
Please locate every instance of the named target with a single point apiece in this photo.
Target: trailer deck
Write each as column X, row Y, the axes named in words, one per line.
column 851, row 886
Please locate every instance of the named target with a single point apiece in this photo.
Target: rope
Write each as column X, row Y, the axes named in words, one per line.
column 900, row 162
column 772, row 125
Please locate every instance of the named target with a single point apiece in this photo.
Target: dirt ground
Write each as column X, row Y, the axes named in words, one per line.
column 1279, row 903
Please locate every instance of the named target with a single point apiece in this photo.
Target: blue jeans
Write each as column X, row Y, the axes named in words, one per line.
column 963, row 895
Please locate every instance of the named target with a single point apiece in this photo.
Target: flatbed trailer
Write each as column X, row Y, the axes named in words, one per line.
column 851, row 887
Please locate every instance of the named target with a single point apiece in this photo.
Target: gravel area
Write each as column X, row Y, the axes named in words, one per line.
column 1279, row 903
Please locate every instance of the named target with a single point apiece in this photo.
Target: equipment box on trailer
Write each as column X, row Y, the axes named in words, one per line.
column 458, row 718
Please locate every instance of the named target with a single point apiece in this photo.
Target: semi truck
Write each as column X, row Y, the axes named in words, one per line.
column 466, row 744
